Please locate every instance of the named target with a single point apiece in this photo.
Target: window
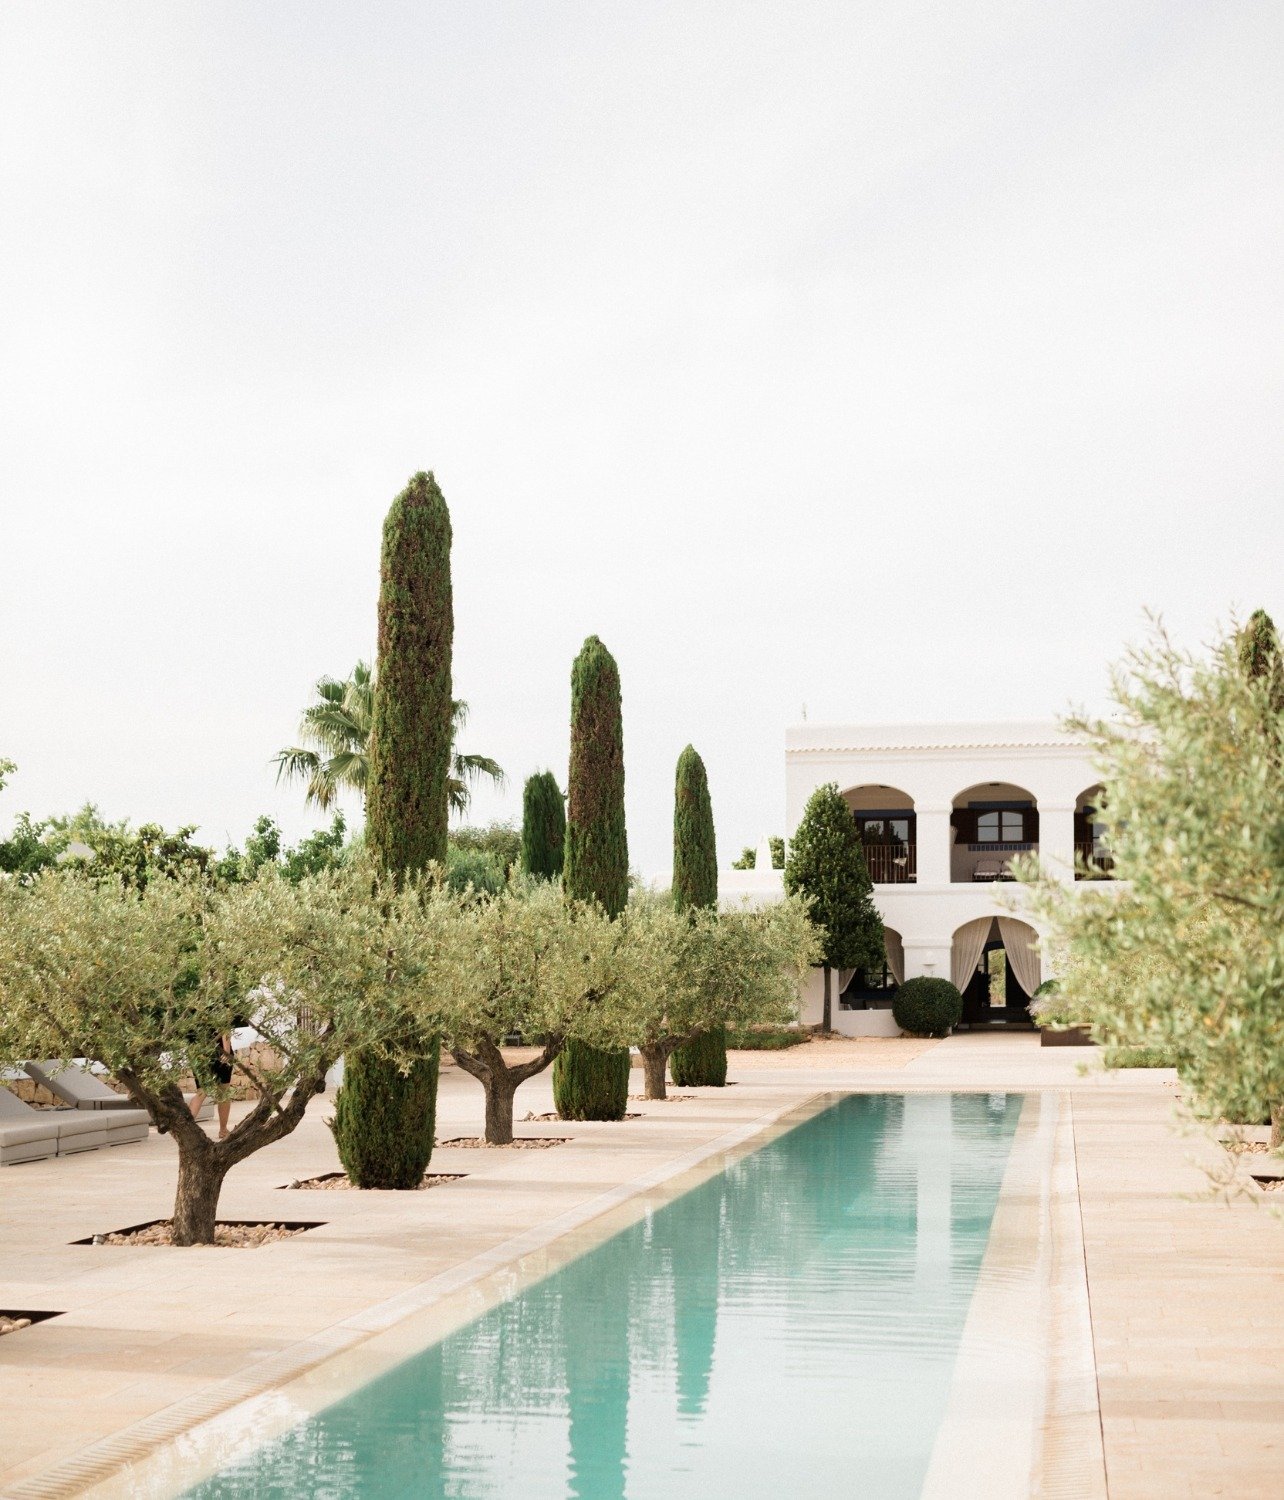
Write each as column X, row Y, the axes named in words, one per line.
column 1002, row 825
column 878, row 828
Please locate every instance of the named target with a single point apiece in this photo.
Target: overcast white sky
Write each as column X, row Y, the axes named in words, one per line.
column 882, row 357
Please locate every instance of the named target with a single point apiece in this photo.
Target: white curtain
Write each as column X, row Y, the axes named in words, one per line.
column 969, row 944
column 844, row 978
column 895, row 954
column 1019, row 943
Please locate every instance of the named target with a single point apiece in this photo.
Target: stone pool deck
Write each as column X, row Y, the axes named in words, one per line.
column 1186, row 1295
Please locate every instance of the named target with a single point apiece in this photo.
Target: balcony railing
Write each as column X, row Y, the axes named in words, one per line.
column 1087, row 852
column 892, row 864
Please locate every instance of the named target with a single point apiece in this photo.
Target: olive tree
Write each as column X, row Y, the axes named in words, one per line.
column 530, row 962
column 691, row 969
column 143, row 981
column 1186, row 953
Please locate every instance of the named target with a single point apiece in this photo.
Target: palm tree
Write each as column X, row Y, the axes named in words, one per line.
column 335, row 755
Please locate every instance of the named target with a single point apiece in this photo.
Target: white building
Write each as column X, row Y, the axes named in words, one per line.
column 942, row 809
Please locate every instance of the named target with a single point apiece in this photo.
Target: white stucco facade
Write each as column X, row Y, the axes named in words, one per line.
column 938, row 780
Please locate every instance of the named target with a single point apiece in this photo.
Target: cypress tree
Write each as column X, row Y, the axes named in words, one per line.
column 702, row 1060
column 827, row 862
column 385, row 1119
column 1259, row 655
column 589, row 1083
column 543, row 826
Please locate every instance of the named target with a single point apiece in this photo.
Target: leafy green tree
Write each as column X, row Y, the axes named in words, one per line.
column 498, row 841
column 694, row 969
column 265, row 849
column 543, row 827
column 596, row 866
column 1184, row 955
column 749, row 856
column 335, row 755
column 385, row 1114
column 142, row 978
column 703, row 1059
column 527, row 961
column 827, row 863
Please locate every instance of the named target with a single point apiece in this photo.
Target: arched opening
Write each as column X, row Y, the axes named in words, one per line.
column 990, row 824
column 1092, row 859
column 995, row 963
column 888, row 829
column 865, row 989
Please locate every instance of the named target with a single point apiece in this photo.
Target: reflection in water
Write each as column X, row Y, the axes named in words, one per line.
column 787, row 1328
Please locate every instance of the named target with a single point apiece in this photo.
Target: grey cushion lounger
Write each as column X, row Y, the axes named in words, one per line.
column 77, row 1087
column 28, row 1133
column 82, row 1089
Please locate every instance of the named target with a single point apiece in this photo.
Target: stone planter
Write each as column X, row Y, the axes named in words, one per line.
column 1072, row 1036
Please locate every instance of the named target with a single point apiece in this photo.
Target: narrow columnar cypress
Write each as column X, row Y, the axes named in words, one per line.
column 385, row 1118
column 543, row 826
column 702, row 1060
column 1259, row 655
column 588, row 1083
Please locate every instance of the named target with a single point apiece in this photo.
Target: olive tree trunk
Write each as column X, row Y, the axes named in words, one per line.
column 655, row 1064
column 1277, row 1126
column 203, row 1163
column 485, row 1062
column 201, row 1170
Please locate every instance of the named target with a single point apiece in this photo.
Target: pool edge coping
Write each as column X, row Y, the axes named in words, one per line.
column 1028, row 1331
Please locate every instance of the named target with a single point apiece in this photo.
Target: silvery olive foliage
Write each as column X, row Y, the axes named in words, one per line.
column 1185, row 954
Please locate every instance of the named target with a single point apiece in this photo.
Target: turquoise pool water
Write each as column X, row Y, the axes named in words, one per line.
column 785, row 1329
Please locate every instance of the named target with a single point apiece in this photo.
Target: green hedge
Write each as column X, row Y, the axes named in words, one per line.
column 702, row 1061
column 591, row 1084
column 927, row 1007
column 766, row 1038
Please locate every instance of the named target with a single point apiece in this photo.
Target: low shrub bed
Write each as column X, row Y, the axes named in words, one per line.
column 765, row 1038
column 1139, row 1057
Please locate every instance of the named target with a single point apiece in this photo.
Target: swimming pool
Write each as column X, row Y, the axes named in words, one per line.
column 788, row 1327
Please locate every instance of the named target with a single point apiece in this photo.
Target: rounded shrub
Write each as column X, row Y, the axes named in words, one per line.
column 927, row 1007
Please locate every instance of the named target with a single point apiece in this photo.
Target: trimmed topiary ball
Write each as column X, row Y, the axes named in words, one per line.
column 927, row 1007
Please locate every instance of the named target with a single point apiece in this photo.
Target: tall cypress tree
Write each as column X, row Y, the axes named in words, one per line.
column 702, row 1060
column 385, row 1120
column 588, row 1083
column 1259, row 655
column 543, row 826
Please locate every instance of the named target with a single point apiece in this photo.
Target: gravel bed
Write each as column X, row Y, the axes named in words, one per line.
column 1247, row 1148
column 339, row 1182
column 523, row 1143
column 231, row 1236
column 12, row 1325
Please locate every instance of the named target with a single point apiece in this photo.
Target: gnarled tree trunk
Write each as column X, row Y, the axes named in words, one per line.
column 202, row 1167
column 1277, row 1126
column 655, row 1064
column 486, row 1064
column 500, row 1092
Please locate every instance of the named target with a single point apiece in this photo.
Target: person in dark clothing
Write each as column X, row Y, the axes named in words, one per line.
column 211, row 1071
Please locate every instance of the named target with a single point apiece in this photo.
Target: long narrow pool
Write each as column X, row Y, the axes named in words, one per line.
column 787, row 1328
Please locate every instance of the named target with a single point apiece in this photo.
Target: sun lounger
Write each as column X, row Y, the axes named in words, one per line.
column 74, row 1086
column 23, row 1138
column 27, row 1134
column 81, row 1089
